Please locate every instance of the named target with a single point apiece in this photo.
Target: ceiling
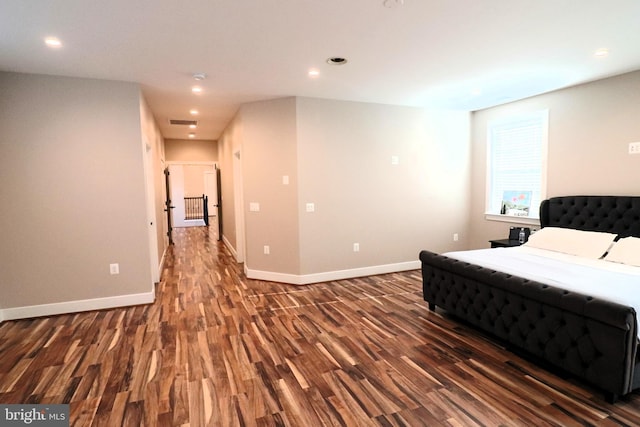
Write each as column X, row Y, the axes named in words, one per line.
column 457, row 54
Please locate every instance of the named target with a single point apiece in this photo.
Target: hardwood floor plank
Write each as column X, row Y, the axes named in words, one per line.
column 218, row 349
column 133, row 414
column 82, row 413
column 12, row 378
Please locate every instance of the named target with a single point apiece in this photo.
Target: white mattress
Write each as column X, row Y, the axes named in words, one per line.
column 614, row 282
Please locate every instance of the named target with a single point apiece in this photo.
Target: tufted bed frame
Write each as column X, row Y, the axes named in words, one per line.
column 590, row 338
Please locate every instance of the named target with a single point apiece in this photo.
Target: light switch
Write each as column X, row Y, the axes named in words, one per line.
column 395, row 160
column 285, row 180
column 114, row 268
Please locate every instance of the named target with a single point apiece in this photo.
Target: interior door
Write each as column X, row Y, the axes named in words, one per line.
column 168, row 206
column 219, row 201
column 211, row 190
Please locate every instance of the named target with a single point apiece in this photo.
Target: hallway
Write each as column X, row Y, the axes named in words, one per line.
column 219, row 349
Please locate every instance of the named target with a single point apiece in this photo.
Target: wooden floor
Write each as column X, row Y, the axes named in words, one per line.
column 219, row 349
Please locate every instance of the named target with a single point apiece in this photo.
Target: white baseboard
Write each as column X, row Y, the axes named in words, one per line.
column 230, row 247
column 328, row 276
column 76, row 306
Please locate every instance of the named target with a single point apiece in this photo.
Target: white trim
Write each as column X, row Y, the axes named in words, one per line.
column 77, row 306
column 1, row 315
column 238, row 204
column 150, row 203
column 328, row 276
column 230, row 247
column 182, row 162
column 512, row 219
column 544, row 117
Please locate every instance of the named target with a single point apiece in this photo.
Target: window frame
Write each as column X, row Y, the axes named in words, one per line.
column 542, row 115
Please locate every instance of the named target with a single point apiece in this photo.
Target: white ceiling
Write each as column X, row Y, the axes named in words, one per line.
column 460, row 54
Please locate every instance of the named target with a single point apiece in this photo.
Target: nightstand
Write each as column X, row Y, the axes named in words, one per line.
column 504, row 243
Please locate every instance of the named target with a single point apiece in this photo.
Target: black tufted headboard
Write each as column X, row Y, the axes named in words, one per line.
column 613, row 214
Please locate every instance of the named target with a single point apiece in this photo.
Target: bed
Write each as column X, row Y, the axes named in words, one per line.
column 586, row 334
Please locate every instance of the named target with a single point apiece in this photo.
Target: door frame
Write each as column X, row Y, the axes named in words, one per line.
column 238, row 197
column 152, row 223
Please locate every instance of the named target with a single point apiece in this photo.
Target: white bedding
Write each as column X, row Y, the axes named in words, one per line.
column 598, row 278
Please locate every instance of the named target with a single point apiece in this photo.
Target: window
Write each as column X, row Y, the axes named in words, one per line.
column 516, row 163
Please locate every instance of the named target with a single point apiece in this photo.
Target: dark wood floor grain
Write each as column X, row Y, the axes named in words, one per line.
column 218, row 349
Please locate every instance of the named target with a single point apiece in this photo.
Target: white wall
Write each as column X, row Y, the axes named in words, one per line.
column 71, row 171
column 590, row 127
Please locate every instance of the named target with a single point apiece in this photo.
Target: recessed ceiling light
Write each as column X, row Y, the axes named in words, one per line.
column 193, row 112
column 199, row 76
column 192, row 126
column 192, row 135
column 196, row 89
column 53, row 42
column 314, row 73
column 336, row 60
column 601, row 53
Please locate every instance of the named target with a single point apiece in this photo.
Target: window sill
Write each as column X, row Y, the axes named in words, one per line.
column 512, row 219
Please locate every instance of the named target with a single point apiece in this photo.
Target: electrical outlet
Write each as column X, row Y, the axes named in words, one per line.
column 267, row 250
column 254, row 207
column 634, row 148
column 311, row 207
column 356, row 247
column 114, row 268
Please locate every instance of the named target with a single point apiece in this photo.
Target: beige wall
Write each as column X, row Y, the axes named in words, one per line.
column 338, row 155
column 188, row 150
column 194, row 179
column 71, row 176
column 345, row 152
column 269, row 154
column 590, row 127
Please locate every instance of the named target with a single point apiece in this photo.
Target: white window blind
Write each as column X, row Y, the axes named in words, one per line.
column 517, row 159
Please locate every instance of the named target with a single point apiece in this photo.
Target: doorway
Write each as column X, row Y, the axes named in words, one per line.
column 213, row 193
column 168, row 206
column 192, row 180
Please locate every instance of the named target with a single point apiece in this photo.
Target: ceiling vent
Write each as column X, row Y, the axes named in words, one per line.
column 183, row 122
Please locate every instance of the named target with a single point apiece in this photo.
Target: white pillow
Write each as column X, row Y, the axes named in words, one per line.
column 625, row 251
column 588, row 244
